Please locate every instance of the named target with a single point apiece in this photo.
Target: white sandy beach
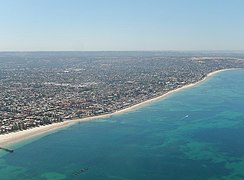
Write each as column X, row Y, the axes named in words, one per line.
column 11, row 138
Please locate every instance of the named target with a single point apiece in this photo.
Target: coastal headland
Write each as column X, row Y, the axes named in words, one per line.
column 15, row 137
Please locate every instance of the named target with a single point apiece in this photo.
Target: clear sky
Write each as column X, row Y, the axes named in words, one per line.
column 84, row 25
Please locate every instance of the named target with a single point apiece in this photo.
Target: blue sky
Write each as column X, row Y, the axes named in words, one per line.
column 120, row 25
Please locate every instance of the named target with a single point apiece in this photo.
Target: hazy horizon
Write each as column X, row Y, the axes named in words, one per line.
column 30, row 51
column 121, row 25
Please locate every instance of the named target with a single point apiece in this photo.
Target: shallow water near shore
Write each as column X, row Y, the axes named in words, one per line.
column 196, row 133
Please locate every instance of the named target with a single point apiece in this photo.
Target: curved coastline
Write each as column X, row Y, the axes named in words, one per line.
column 15, row 137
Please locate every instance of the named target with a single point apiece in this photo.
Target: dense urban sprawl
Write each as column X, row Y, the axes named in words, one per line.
column 46, row 87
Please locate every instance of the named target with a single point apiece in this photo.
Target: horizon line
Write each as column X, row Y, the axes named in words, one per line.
column 29, row 51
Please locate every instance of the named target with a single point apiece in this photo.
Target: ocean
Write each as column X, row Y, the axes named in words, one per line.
column 194, row 134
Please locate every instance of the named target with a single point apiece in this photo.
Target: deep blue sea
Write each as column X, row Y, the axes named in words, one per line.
column 194, row 134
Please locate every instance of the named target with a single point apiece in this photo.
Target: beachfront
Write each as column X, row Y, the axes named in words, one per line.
column 12, row 138
column 46, row 90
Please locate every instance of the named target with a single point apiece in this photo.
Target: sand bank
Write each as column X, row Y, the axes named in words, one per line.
column 14, row 137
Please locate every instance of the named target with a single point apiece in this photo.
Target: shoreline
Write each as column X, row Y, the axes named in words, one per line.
column 15, row 137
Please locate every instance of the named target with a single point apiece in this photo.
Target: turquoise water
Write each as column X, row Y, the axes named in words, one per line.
column 194, row 134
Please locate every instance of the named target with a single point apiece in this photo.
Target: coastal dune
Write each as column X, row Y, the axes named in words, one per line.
column 14, row 137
